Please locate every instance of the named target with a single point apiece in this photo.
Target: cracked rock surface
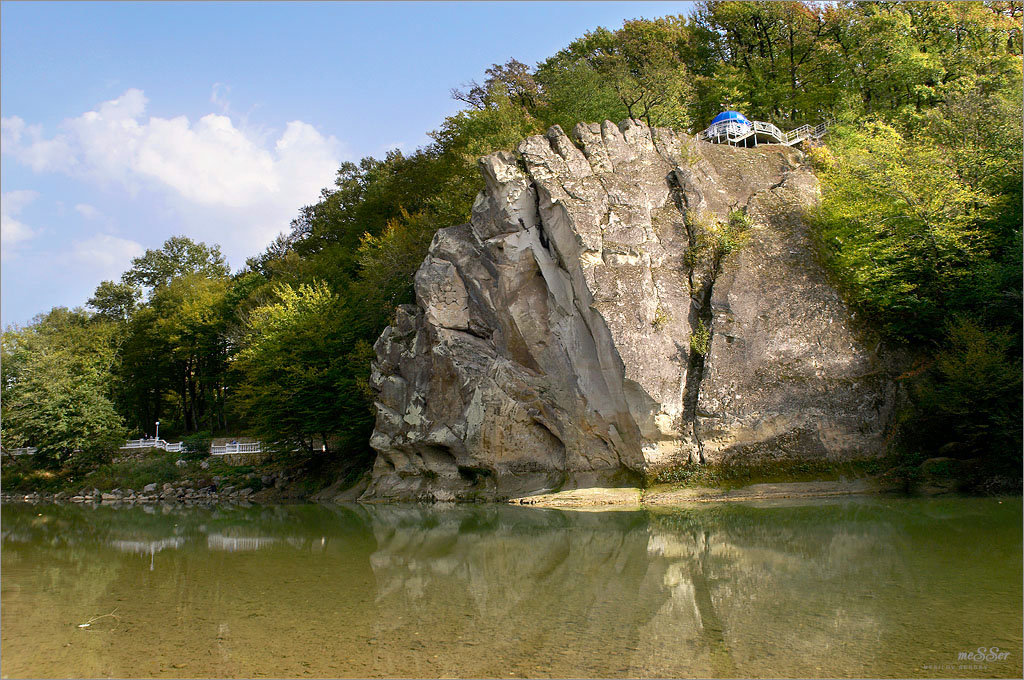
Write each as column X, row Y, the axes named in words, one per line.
column 550, row 343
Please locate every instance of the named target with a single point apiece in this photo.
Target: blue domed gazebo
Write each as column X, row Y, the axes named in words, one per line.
column 731, row 116
column 733, row 128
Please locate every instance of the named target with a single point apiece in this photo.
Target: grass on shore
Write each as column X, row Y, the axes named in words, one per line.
column 159, row 467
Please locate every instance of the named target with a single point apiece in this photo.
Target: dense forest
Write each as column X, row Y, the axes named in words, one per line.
column 920, row 226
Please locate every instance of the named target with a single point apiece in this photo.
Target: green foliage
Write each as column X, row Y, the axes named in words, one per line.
column 738, row 221
column 325, row 237
column 511, row 81
column 661, row 318
column 158, row 469
column 179, row 256
column 636, row 70
column 26, row 475
column 711, row 239
column 972, row 395
column 731, row 235
column 176, row 354
column 500, row 124
column 904, row 235
column 700, row 339
column 176, row 344
column 639, row 63
column 293, row 387
column 797, row 62
column 777, row 60
column 114, row 301
column 389, row 261
column 574, row 92
column 56, row 388
column 197, row 446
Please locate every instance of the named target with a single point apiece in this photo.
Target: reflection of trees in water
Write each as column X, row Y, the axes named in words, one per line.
column 152, row 529
column 245, row 606
column 798, row 589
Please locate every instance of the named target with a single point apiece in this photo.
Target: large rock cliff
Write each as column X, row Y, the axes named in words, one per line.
column 627, row 299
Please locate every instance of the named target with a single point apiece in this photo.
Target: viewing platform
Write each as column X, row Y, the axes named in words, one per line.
column 733, row 128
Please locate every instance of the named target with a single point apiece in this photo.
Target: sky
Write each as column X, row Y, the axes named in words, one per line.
column 126, row 123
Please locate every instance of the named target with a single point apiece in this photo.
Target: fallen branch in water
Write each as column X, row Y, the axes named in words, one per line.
column 102, row 616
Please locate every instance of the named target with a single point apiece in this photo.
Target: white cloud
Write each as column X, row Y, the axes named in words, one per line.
column 67, row 274
column 87, row 211
column 13, row 230
column 102, row 256
column 243, row 188
column 28, row 146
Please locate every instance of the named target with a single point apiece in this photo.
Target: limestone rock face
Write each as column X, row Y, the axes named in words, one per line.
column 550, row 342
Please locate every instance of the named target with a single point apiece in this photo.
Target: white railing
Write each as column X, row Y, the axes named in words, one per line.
column 733, row 132
column 235, row 447
column 805, row 132
column 140, row 444
column 176, row 447
column 769, row 129
column 153, row 444
column 232, row 448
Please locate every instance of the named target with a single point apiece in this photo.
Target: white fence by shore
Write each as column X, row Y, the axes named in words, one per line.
column 175, row 447
column 215, row 450
column 235, row 447
column 153, row 444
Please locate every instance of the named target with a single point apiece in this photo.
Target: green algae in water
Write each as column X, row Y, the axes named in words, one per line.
column 856, row 587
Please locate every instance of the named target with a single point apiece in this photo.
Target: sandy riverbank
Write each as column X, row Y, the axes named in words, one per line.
column 631, row 497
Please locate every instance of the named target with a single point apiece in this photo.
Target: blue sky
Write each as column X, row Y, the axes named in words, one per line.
column 127, row 123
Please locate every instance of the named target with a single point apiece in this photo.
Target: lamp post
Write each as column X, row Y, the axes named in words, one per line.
column 158, row 430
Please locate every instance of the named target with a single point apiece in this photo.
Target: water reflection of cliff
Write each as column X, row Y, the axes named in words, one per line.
column 710, row 591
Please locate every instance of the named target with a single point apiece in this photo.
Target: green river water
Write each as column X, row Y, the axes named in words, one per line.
column 854, row 587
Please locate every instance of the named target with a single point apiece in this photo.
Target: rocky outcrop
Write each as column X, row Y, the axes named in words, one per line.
column 627, row 299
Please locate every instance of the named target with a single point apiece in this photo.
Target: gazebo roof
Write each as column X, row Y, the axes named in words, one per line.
column 730, row 116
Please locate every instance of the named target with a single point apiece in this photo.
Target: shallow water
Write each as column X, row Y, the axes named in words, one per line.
column 863, row 587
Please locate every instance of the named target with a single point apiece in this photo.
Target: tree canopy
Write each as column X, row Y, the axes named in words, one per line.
column 57, row 380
